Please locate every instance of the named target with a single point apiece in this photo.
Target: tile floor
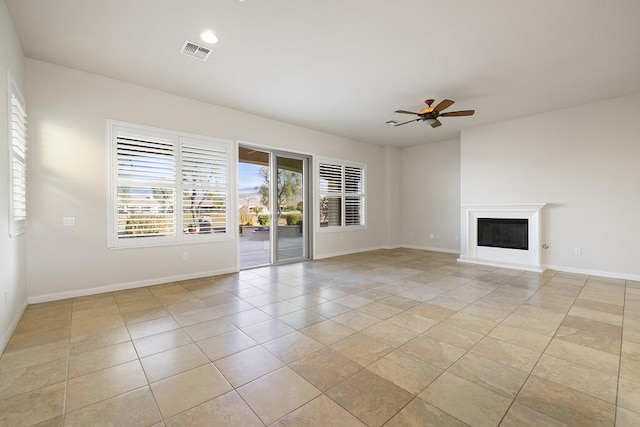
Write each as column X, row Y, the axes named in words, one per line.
column 395, row 337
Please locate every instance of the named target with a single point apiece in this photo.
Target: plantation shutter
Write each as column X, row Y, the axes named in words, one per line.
column 146, row 193
column 18, row 158
column 205, row 183
column 17, row 123
column 330, row 195
column 354, row 196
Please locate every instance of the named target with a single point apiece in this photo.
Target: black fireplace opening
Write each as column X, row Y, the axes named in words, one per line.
column 508, row 233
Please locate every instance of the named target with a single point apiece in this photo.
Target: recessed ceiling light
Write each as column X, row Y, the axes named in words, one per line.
column 209, row 37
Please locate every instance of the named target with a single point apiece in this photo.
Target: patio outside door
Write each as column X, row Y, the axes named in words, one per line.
column 273, row 194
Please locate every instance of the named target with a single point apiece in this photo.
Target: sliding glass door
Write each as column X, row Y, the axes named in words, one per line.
column 273, row 194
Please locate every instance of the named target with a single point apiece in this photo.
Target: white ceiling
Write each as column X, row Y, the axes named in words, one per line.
column 345, row 66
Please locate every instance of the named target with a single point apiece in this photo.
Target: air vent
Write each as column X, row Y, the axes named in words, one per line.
column 195, row 50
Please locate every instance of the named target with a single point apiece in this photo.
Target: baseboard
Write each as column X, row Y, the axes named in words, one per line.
column 391, row 247
column 12, row 327
column 350, row 252
column 610, row 274
column 432, row 249
column 123, row 286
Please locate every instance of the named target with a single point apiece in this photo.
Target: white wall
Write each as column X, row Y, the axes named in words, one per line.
column 584, row 162
column 13, row 282
column 67, row 178
column 430, row 194
column 394, row 197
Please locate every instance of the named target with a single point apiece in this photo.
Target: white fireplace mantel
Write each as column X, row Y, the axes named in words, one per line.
column 470, row 252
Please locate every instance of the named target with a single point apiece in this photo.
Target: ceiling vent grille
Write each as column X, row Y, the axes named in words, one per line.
column 195, row 50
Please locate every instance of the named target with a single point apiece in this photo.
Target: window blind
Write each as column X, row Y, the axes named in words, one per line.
column 18, row 159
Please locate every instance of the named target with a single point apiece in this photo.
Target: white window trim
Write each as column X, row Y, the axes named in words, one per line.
column 16, row 226
column 113, row 127
column 318, row 193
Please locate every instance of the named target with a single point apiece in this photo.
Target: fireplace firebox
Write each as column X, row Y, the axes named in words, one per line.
column 507, row 233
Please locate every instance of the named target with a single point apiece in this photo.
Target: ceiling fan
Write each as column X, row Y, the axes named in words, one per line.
column 430, row 114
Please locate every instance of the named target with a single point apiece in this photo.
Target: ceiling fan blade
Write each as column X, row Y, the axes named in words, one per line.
column 436, row 124
column 400, row 124
column 458, row 113
column 406, row 112
column 446, row 103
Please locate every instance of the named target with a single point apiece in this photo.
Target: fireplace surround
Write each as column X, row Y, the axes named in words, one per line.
column 523, row 258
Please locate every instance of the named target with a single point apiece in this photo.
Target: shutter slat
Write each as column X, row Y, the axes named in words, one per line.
column 204, row 166
column 353, row 180
column 145, row 212
column 18, row 162
column 146, row 160
column 330, row 178
column 354, row 210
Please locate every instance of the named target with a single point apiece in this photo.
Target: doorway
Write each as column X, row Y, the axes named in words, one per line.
column 273, row 194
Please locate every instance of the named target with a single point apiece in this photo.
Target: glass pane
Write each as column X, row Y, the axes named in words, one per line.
column 253, row 204
column 290, row 209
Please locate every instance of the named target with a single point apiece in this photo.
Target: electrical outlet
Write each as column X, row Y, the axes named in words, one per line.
column 432, row 236
column 185, row 256
column 69, row 221
column 577, row 251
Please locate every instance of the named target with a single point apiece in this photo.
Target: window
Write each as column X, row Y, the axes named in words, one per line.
column 342, row 194
column 18, row 161
column 168, row 187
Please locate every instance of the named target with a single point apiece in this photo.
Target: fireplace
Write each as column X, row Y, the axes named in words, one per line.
column 502, row 235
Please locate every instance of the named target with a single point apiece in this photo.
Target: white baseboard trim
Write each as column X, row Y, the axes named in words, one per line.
column 12, row 327
column 35, row 299
column 432, row 249
column 350, row 252
column 391, row 247
column 610, row 274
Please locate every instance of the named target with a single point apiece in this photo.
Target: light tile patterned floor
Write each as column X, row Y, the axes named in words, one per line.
column 392, row 337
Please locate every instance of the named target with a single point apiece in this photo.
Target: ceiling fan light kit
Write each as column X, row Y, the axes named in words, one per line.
column 429, row 115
